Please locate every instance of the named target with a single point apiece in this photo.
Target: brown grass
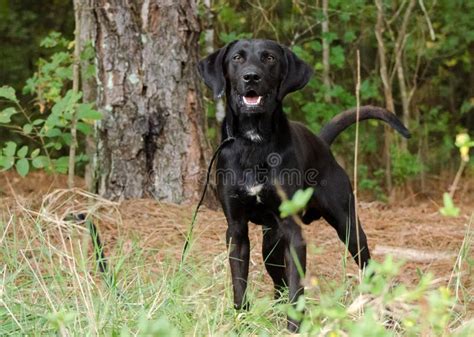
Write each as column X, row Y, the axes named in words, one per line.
column 160, row 229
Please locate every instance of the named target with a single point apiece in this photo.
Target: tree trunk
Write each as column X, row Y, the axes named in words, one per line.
column 387, row 88
column 399, row 47
column 326, row 64
column 151, row 140
column 75, row 87
column 87, row 33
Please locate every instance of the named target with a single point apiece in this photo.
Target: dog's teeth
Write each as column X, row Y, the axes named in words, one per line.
column 252, row 100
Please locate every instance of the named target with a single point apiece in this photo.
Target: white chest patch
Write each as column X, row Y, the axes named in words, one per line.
column 253, row 136
column 254, row 191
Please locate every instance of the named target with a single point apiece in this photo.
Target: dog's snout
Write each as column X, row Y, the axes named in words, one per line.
column 251, row 77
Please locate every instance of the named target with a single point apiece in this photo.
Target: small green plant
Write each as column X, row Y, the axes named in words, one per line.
column 45, row 129
column 60, row 319
column 449, row 209
column 47, row 135
column 404, row 166
column 378, row 307
column 371, row 183
column 297, row 203
column 464, row 143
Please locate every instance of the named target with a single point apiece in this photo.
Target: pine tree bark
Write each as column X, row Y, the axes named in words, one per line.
column 151, row 140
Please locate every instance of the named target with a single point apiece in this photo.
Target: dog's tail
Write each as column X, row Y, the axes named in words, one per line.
column 346, row 118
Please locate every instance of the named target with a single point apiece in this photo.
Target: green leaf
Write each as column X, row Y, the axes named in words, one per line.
column 8, row 93
column 297, row 203
column 6, row 162
column 53, row 133
column 349, row 36
column 84, row 128
column 66, row 104
column 40, row 162
column 38, row 121
column 330, row 36
column 5, row 115
column 449, row 208
column 22, row 152
column 61, row 164
column 301, row 197
column 22, row 167
column 27, row 128
column 85, row 111
column 337, row 56
column 35, row 153
column 300, row 303
column 10, row 149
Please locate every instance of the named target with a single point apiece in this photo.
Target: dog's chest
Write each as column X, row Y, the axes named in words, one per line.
column 246, row 174
column 255, row 188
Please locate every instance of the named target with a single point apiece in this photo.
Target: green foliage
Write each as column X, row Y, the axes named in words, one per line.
column 8, row 93
column 60, row 319
column 420, row 310
column 46, row 133
column 404, row 166
column 371, row 183
column 157, row 328
column 23, row 24
column 464, row 143
column 296, row 203
column 441, row 99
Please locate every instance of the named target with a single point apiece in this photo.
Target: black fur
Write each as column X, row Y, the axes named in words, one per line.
column 269, row 150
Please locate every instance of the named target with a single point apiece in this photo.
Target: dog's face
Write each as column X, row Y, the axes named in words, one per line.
column 255, row 74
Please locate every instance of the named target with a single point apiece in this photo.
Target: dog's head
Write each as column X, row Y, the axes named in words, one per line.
column 255, row 75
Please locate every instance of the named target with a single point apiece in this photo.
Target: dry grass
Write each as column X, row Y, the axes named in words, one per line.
column 158, row 230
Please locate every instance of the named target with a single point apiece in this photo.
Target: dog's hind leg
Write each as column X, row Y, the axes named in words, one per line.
column 238, row 246
column 341, row 216
column 295, row 261
column 273, row 252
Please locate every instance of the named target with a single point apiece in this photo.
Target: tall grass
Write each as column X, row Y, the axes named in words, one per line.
column 50, row 285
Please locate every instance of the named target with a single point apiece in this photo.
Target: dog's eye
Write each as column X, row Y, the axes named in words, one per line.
column 237, row 58
column 269, row 58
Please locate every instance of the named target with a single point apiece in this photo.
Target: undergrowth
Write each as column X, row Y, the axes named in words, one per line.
column 50, row 285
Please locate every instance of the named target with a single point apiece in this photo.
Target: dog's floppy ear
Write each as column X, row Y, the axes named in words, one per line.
column 295, row 75
column 211, row 70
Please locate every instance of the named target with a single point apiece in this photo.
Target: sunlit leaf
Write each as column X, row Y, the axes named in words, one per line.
column 22, row 152
column 22, row 167
column 85, row 111
column 5, row 115
column 9, row 149
column 297, row 203
column 8, row 93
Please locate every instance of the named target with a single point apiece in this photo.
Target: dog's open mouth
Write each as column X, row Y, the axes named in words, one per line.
column 251, row 98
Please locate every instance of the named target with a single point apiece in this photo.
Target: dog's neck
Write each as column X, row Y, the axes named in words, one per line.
column 257, row 128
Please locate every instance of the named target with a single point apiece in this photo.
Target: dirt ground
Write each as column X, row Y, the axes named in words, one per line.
column 415, row 231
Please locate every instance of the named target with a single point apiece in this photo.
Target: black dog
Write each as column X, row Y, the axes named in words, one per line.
column 267, row 149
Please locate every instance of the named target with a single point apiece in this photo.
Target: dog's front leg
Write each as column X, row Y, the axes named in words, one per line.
column 238, row 246
column 295, row 260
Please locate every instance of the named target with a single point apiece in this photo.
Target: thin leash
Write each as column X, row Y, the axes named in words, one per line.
column 99, row 254
column 189, row 236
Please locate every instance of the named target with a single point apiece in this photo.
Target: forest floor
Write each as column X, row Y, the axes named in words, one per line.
column 411, row 230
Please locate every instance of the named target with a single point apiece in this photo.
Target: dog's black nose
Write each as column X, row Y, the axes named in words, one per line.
column 251, row 77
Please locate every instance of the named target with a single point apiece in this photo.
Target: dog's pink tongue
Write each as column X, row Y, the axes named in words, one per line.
column 251, row 100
